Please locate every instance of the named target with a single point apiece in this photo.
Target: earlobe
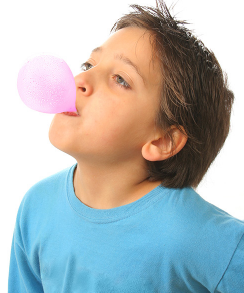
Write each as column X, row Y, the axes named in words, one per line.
column 155, row 150
column 163, row 148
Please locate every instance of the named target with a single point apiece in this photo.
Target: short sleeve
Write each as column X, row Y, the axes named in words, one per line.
column 233, row 278
column 23, row 276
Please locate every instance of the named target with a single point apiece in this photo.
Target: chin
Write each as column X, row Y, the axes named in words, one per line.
column 61, row 139
column 57, row 137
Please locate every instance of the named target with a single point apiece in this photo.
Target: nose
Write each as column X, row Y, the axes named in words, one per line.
column 83, row 85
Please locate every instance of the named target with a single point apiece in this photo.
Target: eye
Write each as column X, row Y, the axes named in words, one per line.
column 121, row 82
column 116, row 77
column 86, row 66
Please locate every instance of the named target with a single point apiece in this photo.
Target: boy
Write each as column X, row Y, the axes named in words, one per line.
column 153, row 113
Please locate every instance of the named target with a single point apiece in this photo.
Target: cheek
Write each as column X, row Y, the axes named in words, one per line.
column 100, row 130
column 126, row 127
column 100, row 116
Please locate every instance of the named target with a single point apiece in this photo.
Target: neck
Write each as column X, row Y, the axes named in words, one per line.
column 106, row 188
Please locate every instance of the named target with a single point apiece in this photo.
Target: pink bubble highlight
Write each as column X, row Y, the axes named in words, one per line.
column 46, row 84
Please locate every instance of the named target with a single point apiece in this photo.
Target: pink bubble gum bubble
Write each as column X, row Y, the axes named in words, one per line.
column 46, row 84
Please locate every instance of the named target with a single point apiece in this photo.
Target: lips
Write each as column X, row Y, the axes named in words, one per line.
column 75, row 114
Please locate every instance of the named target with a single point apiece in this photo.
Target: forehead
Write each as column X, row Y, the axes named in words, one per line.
column 135, row 44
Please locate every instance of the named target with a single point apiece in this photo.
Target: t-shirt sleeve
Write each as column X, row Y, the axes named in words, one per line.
column 22, row 275
column 233, row 278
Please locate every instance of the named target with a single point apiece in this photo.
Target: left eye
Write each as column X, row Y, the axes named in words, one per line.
column 120, row 81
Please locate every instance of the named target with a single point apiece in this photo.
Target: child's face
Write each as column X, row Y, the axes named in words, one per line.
column 115, row 121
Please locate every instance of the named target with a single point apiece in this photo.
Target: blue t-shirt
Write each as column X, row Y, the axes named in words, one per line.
column 170, row 240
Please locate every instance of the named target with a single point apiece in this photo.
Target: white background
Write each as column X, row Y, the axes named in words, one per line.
column 70, row 30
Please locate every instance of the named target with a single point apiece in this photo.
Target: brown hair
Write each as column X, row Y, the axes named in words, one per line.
column 194, row 95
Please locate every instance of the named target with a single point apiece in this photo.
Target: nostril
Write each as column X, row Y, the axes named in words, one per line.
column 83, row 89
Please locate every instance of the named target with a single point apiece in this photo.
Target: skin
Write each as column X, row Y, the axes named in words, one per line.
column 115, row 132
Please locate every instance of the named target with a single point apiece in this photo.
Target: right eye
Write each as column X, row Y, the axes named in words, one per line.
column 86, row 66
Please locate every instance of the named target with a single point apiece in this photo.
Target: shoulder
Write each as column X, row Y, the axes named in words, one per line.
column 232, row 279
column 38, row 206
column 191, row 208
column 43, row 193
column 197, row 217
column 204, row 237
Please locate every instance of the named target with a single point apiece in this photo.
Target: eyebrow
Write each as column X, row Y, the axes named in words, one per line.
column 123, row 58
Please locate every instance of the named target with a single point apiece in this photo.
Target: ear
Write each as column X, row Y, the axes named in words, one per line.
column 162, row 148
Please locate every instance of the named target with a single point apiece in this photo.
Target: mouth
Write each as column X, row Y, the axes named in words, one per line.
column 75, row 114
